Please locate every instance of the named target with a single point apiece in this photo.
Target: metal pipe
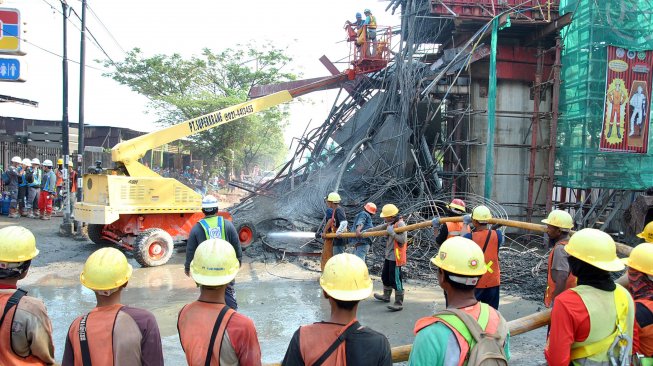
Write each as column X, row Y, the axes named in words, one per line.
column 491, row 119
column 534, row 129
column 554, row 126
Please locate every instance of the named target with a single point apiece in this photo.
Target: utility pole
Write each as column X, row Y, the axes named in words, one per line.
column 80, row 140
column 66, row 226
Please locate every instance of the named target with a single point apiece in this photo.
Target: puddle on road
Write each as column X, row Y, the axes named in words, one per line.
column 278, row 307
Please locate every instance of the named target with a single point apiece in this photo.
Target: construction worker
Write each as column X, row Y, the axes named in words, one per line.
column 445, row 336
column 336, row 222
column 647, row 233
column 112, row 333
column 25, row 328
column 11, row 185
column 72, row 176
column 34, row 189
column 591, row 323
column 363, row 221
column 370, row 30
column 47, row 191
column 488, row 287
column 444, row 231
column 25, row 172
column 640, row 285
column 341, row 340
column 210, row 331
column 558, row 279
column 213, row 226
column 395, row 257
column 59, row 196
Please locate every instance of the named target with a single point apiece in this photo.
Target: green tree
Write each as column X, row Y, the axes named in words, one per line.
column 183, row 88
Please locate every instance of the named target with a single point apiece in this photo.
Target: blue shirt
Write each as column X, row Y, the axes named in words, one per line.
column 362, row 218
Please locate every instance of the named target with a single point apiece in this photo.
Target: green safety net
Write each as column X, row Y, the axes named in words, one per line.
column 595, row 25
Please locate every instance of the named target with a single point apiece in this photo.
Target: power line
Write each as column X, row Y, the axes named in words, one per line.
column 105, row 28
column 95, row 41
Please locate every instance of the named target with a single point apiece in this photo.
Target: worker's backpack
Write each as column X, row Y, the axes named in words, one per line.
column 484, row 349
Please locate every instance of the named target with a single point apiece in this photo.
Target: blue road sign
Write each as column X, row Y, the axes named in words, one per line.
column 9, row 69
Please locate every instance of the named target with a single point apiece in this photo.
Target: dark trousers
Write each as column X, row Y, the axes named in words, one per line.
column 488, row 295
column 22, row 197
column 391, row 275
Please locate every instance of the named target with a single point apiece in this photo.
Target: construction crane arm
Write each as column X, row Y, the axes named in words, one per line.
column 129, row 152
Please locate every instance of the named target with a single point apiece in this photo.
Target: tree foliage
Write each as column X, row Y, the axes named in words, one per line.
column 182, row 88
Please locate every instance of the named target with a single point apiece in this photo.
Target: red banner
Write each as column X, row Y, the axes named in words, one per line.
column 626, row 117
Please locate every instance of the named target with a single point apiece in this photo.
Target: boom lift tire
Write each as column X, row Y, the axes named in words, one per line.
column 246, row 234
column 95, row 234
column 153, row 247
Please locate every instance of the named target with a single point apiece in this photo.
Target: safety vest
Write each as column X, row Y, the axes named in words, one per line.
column 454, row 229
column 196, row 324
column 7, row 355
column 491, row 252
column 487, row 318
column 98, row 331
column 646, row 334
column 315, row 339
column 550, row 285
column 372, row 24
column 609, row 313
column 59, row 175
column 213, row 227
column 37, row 178
column 400, row 250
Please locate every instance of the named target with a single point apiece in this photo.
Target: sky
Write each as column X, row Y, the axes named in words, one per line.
column 308, row 28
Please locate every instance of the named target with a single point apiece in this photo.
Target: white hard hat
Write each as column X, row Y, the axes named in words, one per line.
column 36, row 161
column 27, row 162
column 209, row 201
column 16, row 159
column 47, row 163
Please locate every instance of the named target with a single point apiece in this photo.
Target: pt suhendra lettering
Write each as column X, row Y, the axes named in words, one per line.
column 204, row 122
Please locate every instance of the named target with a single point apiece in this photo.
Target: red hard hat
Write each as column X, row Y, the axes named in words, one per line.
column 457, row 205
column 370, row 207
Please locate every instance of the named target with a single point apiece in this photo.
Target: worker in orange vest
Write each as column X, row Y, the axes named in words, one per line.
column 395, row 257
column 112, row 333
column 447, row 335
column 444, row 231
column 640, row 285
column 558, row 279
column 488, row 287
column 25, row 328
column 211, row 332
column 341, row 340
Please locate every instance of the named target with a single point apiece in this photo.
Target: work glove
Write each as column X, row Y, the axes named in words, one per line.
column 317, row 235
column 467, row 219
column 435, row 222
column 390, row 230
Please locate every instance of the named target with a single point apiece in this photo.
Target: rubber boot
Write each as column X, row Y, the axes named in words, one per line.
column 13, row 214
column 610, row 131
column 387, row 292
column 30, row 214
column 46, row 216
column 399, row 302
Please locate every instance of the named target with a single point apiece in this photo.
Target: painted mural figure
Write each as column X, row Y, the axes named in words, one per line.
column 616, row 97
column 638, row 102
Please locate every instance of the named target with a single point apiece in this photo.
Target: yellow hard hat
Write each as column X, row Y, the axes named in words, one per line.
column 333, row 197
column 389, row 210
column 59, row 161
column 641, row 258
column 647, row 233
column 461, row 256
column 559, row 218
column 481, row 214
column 345, row 277
column 596, row 248
column 17, row 244
column 105, row 269
column 215, row 263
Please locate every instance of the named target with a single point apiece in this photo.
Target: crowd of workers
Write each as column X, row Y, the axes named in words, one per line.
column 363, row 32
column 594, row 321
column 33, row 187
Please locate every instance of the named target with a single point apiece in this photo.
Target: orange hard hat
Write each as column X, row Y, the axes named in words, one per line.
column 457, row 205
column 370, row 207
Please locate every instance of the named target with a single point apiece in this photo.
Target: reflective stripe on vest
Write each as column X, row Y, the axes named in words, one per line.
column 487, row 317
column 213, row 227
column 372, row 24
column 453, row 229
column 99, row 332
column 195, row 325
column 550, row 285
column 493, row 276
column 315, row 340
column 609, row 314
column 7, row 355
column 400, row 251
column 646, row 333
